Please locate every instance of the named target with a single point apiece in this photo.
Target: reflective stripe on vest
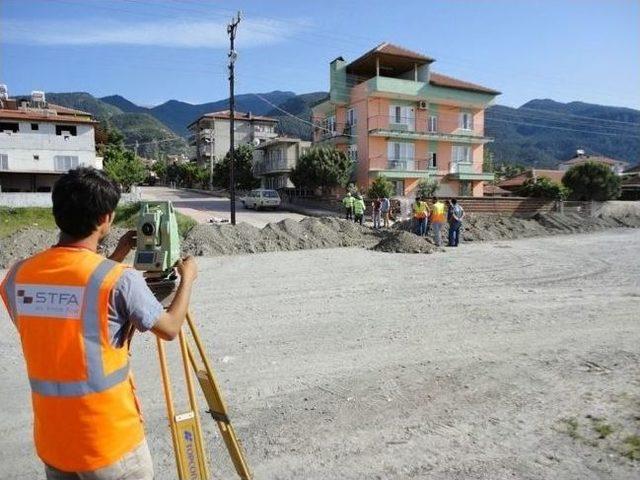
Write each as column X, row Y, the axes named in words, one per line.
column 96, row 380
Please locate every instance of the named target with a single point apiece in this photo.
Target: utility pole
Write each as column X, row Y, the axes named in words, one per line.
column 231, row 30
column 211, row 158
column 136, row 150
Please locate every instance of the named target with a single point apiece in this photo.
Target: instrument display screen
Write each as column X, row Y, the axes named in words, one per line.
column 145, row 257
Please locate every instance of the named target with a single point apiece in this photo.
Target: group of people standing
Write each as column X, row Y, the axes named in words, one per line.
column 354, row 207
column 427, row 216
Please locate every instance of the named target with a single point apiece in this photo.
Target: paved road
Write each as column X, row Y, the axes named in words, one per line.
column 204, row 207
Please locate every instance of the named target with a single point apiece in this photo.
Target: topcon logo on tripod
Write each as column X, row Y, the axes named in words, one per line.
column 49, row 300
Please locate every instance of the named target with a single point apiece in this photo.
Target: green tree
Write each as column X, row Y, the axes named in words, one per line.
column 243, row 171
column 160, row 169
column 323, row 168
column 592, row 181
column 543, row 187
column 427, row 187
column 191, row 175
column 123, row 167
column 381, row 187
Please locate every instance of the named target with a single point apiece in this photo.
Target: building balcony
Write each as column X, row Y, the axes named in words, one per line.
column 334, row 134
column 466, row 171
column 270, row 167
column 400, row 88
column 409, row 167
column 413, row 129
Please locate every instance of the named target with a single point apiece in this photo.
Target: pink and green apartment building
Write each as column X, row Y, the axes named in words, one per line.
column 397, row 118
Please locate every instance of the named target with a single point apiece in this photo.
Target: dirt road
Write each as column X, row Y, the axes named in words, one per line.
column 203, row 207
column 498, row 360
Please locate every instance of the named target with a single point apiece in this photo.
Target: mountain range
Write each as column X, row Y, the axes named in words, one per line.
column 540, row 133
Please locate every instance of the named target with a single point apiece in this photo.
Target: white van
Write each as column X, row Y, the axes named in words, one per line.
column 262, row 198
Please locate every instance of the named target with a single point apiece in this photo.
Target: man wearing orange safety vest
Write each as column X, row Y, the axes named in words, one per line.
column 438, row 216
column 75, row 312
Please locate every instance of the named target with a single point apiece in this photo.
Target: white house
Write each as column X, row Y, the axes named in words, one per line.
column 39, row 141
column 210, row 133
column 616, row 166
column 274, row 159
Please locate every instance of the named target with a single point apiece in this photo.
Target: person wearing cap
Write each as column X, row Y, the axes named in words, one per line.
column 358, row 209
column 347, row 202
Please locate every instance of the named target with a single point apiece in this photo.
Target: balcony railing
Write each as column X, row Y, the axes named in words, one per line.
column 324, row 132
column 461, row 167
column 272, row 166
column 395, row 123
column 408, row 164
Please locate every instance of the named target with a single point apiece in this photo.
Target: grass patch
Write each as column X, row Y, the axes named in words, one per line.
column 631, row 447
column 12, row 219
column 571, row 425
column 603, row 429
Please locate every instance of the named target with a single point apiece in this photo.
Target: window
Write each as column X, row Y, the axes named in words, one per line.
column 4, row 161
column 433, row 162
column 466, row 121
column 36, row 157
column 69, row 129
column 353, row 152
column 402, row 115
column 400, row 155
column 461, row 154
column 352, row 118
column 433, row 123
column 9, row 127
column 64, row 163
column 331, row 123
column 35, row 126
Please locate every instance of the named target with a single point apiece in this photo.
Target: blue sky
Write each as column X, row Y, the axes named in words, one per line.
column 151, row 51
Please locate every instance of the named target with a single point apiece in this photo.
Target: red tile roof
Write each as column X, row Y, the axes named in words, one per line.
column 53, row 113
column 593, row 158
column 494, row 190
column 445, row 81
column 390, row 49
column 517, row 181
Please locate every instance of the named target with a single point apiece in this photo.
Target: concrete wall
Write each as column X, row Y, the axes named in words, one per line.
column 34, row 150
column 28, row 199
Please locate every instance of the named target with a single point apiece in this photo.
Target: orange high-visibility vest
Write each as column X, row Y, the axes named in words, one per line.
column 437, row 214
column 86, row 415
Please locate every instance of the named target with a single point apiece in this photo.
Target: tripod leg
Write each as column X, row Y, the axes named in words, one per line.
column 197, row 429
column 217, row 407
column 168, row 397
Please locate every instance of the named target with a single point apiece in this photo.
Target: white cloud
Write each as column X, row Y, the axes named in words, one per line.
column 166, row 33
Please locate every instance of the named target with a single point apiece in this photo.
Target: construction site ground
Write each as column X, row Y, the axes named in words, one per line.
column 497, row 360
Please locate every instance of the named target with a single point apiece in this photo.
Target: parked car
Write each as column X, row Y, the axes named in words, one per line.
column 262, row 198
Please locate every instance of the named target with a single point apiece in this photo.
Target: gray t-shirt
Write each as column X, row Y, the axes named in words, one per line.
column 132, row 306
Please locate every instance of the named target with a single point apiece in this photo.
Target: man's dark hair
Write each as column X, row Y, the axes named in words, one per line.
column 454, row 201
column 81, row 198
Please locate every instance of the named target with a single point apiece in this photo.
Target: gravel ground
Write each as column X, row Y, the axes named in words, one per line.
column 497, row 360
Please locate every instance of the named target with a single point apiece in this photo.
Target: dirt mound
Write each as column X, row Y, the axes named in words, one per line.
column 287, row 234
column 28, row 241
column 405, row 242
column 487, row 227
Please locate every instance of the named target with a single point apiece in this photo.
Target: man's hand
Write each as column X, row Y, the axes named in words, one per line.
column 169, row 324
column 187, row 268
column 126, row 243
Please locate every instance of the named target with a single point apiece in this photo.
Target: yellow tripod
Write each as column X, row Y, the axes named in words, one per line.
column 186, row 430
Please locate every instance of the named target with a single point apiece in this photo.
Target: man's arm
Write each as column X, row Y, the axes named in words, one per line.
column 170, row 322
column 126, row 243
